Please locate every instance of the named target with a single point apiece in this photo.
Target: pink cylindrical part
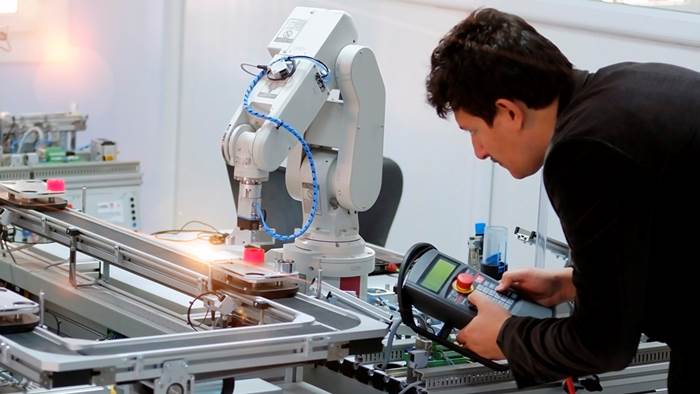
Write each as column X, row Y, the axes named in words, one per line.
column 253, row 255
column 56, row 185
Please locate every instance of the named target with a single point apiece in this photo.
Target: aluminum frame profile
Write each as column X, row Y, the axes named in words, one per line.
column 302, row 340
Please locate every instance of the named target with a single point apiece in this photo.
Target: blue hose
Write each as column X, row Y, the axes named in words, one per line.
column 307, row 151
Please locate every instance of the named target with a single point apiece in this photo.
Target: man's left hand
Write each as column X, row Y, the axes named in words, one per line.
column 481, row 333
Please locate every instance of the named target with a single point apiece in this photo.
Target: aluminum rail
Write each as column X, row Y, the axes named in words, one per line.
column 560, row 249
column 118, row 246
column 44, row 357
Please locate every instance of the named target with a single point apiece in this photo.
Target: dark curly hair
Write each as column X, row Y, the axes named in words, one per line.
column 492, row 55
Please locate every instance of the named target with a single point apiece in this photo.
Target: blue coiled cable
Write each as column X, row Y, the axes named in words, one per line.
column 307, row 150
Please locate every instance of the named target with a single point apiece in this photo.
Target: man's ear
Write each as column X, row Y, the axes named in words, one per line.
column 511, row 111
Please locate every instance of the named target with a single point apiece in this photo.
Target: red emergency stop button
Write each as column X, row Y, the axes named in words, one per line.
column 463, row 283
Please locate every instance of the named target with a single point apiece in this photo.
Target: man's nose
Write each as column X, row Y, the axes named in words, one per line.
column 479, row 150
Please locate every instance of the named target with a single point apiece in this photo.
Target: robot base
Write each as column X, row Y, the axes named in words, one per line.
column 341, row 264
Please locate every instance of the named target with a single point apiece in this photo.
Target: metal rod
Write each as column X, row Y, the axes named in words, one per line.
column 319, row 282
column 560, row 249
column 542, row 214
column 83, row 196
column 41, row 307
column 73, row 234
column 106, row 275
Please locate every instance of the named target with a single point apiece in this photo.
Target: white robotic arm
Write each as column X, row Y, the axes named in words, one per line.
column 341, row 117
column 354, row 125
column 255, row 143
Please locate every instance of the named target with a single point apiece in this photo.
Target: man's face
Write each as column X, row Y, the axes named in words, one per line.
column 504, row 142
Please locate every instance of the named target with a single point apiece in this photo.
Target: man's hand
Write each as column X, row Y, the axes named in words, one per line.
column 481, row 333
column 546, row 287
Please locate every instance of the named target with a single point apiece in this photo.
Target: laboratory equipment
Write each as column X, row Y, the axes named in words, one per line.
column 494, row 262
column 43, row 145
column 476, row 246
column 102, row 149
column 23, row 133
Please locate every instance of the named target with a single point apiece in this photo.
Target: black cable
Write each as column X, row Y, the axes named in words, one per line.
column 314, row 60
column 228, row 385
column 163, row 235
column 4, row 242
column 183, row 229
column 293, row 68
column 58, row 322
column 245, row 66
column 189, row 309
column 200, row 222
column 206, row 313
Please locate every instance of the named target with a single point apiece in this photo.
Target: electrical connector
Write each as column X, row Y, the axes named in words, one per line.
column 280, row 69
column 217, row 239
column 5, row 217
column 227, row 306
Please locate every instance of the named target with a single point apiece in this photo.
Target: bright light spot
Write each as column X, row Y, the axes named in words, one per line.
column 8, row 6
column 70, row 73
column 57, row 50
column 207, row 253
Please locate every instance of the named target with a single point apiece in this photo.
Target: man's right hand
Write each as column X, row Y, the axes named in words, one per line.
column 546, row 287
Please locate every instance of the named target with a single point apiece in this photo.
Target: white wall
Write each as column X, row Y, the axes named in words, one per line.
column 116, row 74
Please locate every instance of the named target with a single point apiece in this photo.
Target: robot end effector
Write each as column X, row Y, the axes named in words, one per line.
column 248, row 229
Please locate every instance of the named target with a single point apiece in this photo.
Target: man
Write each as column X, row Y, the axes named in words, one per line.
column 621, row 153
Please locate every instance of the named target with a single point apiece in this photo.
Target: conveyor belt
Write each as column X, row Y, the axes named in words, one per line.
column 36, row 340
column 121, row 247
column 106, row 304
column 32, row 340
column 132, row 240
column 322, row 315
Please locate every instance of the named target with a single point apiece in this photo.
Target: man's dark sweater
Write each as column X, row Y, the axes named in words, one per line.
column 622, row 173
